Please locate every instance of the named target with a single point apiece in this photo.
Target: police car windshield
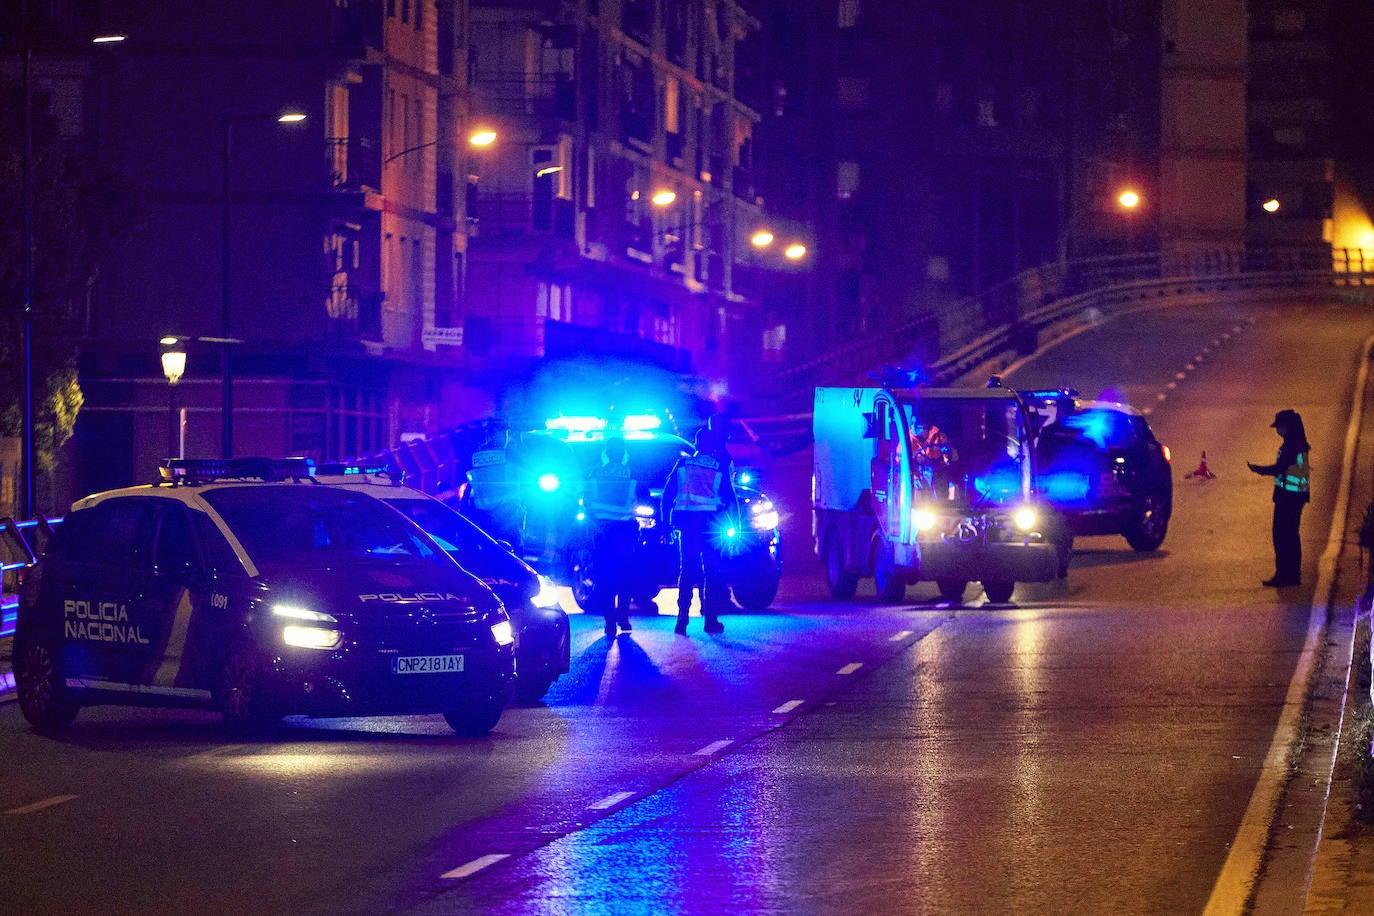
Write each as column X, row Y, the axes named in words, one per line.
column 304, row 526
column 450, row 529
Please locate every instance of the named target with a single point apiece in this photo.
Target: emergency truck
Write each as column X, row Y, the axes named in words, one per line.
column 917, row 484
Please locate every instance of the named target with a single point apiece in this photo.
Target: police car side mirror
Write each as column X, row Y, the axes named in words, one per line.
column 870, row 425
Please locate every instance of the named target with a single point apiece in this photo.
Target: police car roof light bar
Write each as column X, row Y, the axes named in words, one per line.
column 394, row 475
column 181, row 471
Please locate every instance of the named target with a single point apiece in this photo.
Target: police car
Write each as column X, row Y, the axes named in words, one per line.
column 247, row 587
column 542, row 645
column 558, row 458
column 1100, row 465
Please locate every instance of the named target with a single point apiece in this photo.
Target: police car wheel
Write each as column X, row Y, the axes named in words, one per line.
column 952, row 590
column 998, row 592
column 474, row 719
column 530, row 688
column 44, row 699
column 755, row 594
column 1148, row 524
column 841, row 583
column 584, row 580
column 240, row 699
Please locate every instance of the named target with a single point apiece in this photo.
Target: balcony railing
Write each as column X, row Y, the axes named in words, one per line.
column 353, row 164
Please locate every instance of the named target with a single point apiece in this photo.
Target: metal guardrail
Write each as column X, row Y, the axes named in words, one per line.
column 1010, row 317
column 19, row 549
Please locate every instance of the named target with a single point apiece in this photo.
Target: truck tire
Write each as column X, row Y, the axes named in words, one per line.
column 888, row 582
column 841, row 583
column 756, row 593
column 1149, row 522
column 952, row 590
column 998, row 591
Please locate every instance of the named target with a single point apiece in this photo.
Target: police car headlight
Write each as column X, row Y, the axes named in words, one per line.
column 1024, row 518
column 763, row 516
column 503, row 633
column 922, row 519
column 548, row 593
column 295, row 612
column 311, row 637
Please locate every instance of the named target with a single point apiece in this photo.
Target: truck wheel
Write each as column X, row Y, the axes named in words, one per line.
column 952, row 590
column 43, row 695
column 757, row 593
column 840, row 582
column 1148, row 523
column 888, row 583
column 999, row 592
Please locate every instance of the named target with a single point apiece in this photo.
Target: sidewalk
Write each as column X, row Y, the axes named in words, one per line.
column 6, row 675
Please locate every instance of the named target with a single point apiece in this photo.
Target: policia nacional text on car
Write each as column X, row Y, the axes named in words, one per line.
column 698, row 498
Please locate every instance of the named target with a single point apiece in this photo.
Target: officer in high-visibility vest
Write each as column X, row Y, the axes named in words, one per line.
column 1292, row 486
column 493, row 497
column 698, row 500
column 609, row 502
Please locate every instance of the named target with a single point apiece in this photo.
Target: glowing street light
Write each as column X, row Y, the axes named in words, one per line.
column 663, row 198
column 794, row 252
column 1271, row 205
column 1129, row 199
column 482, row 137
column 761, row 239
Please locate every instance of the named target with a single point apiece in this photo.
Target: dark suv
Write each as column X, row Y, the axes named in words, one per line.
column 1100, row 464
column 249, row 588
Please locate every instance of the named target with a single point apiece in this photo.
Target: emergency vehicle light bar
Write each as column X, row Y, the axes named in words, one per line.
column 356, row 470
column 575, row 424
column 204, row 470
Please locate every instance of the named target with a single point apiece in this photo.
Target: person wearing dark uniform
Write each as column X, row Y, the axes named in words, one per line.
column 493, row 497
column 1292, row 487
column 610, row 503
column 696, row 497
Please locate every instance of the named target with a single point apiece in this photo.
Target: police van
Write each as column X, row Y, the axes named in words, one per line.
column 247, row 587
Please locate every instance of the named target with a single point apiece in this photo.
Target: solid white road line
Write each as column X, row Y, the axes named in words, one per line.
column 899, row 636
column 610, row 801
column 476, row 865
column 713, row 748
column 40, row 805
column 1241, row 869
column 850, row 668
column 787, row 707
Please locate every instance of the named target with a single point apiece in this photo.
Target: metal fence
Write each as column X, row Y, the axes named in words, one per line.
column 19, row 549
column 949, row 340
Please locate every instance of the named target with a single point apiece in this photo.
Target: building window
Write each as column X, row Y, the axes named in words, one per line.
column 391, row 9
column 419, row 17
column 847, row 180
column 849, row 13
column 405, row 10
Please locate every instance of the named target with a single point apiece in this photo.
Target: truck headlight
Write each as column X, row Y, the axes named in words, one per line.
column 503, row 633
column 1024, row 518
column 922, row 519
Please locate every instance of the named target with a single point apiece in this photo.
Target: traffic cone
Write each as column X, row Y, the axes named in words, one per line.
column 1201, row 471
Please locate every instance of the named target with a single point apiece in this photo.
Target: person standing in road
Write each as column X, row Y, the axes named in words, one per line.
column 1292, row 487
column 610, row 503
column 493, row 496
column 697, row 498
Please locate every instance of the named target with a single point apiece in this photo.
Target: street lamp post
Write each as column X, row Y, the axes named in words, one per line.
column 226, row 311
column 173, row 366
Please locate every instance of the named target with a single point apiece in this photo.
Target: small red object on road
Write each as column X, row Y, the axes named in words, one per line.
column 1202, row 471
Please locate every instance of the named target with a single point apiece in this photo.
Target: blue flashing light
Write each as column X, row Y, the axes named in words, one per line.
column 578, row 424
column 998, row 484
column 548, row 483
column 1065, row 487
column 640, row 422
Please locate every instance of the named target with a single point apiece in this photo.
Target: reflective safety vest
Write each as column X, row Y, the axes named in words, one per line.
column 491, row 479
column 1295, row 477
column 698, row 484
column 611, row 493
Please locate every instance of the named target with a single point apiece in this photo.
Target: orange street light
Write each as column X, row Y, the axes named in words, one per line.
column 482, row 137
column 1129, row 199
column 794, row 252
column 663, row 198
column 761, row 239
column 1271, row 205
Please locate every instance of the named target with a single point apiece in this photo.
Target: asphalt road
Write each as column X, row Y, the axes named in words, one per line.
column 1089, row 748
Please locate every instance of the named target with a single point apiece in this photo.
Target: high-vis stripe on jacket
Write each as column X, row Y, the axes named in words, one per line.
column 1295, row 478
column 611, row 493
column 698, row 484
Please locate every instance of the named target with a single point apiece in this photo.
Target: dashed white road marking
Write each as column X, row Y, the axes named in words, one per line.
column 787, row 707
column 476, row 865
column 1180, row 375
column 899, row 636
column 713, row 748
column 610, row 801
column 40, row 805
column 850, row 668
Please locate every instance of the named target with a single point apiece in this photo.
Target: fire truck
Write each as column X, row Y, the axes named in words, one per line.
column 916, row 484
